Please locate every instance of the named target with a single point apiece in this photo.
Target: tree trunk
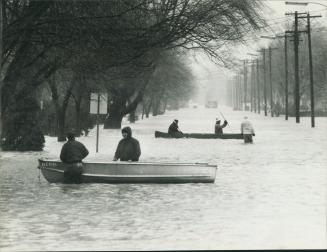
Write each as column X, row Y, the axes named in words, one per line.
column 61, row 125
column 60, row 109
column 113, row 121
column 78, row 117
column 132, row 117
column 148, row 108
column 1, row 46
column 118, row 109
column 21, row 131
column 165, row 105
column 143, row 110
column 156, row 107
column 61, row 120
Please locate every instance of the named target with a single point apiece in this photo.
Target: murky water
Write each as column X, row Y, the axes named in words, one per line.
column 271, row 194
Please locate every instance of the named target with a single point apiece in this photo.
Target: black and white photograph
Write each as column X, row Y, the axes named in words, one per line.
column 163, row 125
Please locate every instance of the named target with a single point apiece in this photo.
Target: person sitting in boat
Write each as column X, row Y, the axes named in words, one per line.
column 128, row 148
column 174, row 130
column 219, row 128
column 247, row 130
column 72, row 153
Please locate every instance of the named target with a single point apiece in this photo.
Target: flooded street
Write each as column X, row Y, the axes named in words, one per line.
column 269, row 195
column 146, row 70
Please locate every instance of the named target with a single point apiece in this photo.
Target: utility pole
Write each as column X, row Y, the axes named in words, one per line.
column 245, row 83
column 233, row 92
column 236, row 92
column 230, row 92
column 264, row 80
column 251, row 89
column 240, row 106
column 286, row 77
column 239, row 88
column 296, row 65
column 286, row 72
column 253, row 107
column 311, row 69
column 258, row 87
column 254, row 87
column 270, row 82
column 296, row 69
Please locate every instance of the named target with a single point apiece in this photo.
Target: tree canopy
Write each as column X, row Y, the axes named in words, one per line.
column 116, row 45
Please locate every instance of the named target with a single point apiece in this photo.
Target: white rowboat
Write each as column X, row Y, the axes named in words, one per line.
column 132, row 172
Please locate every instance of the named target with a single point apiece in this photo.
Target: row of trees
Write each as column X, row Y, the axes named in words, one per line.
column 319, row 55
column 65, row 49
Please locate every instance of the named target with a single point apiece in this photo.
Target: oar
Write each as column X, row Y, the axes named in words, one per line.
column 226, row 120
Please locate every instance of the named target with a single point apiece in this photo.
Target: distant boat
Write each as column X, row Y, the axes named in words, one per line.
column 132, row 172
column 201, row 135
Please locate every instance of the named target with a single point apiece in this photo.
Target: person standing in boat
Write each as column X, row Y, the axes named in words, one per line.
column 72, row 153
column 247, row 130
column 219, row 128
column 128, row 148
column 174, row 130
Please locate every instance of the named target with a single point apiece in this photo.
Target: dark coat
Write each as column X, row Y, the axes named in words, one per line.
column 128, row 149
column 73, row 152
column 173, row 128
column 219, row 128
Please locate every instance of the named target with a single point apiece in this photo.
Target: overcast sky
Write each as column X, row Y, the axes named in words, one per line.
column 212, row 78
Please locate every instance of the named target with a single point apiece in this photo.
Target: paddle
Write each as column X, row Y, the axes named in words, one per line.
column 226, row 120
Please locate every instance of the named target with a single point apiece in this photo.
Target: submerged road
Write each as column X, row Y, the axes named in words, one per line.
column 269, row 195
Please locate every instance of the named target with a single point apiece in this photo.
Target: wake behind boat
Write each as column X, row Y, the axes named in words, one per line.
column 132, row 172
column 201, row 135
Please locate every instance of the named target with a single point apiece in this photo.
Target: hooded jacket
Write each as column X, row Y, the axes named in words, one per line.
column 128, row 149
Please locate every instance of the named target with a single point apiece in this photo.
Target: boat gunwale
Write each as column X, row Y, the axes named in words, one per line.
column 128, row 176
column 200, row 135
column 136, row 163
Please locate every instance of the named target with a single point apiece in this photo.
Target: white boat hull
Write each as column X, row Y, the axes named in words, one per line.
column 132, row 172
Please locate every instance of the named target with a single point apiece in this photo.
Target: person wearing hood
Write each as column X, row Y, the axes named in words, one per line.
column 247, row 130
column 174, row 130
column 128, row 148
column 219, row 128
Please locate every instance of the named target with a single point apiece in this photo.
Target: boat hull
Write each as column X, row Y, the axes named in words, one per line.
column 201, row 135
column 132, row 172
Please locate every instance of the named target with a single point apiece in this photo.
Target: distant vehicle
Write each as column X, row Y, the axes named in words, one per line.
column 211, row 104
column 193, row 104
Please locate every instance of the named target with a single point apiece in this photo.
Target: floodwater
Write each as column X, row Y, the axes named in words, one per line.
column 268, row 195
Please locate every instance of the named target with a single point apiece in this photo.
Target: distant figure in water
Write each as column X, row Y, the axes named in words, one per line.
column 128, row 148
column 219, row 128
column 72, row 154
column 247, row 130
column 174, row 130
